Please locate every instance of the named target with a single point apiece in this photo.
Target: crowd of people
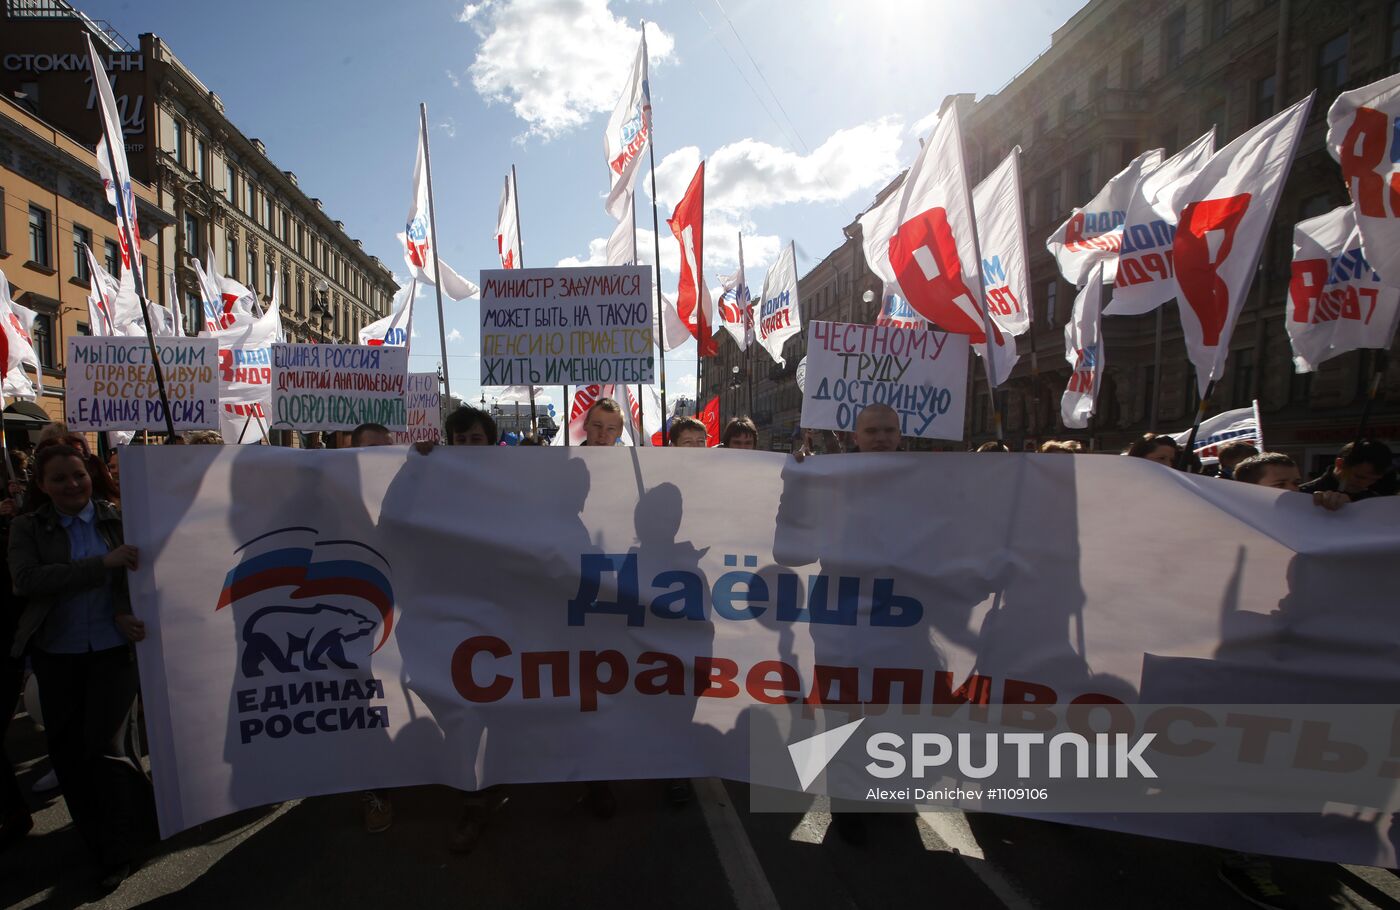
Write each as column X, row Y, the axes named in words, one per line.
column 66, row 615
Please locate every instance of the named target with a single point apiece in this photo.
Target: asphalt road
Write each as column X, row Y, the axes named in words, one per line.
column 544, row 849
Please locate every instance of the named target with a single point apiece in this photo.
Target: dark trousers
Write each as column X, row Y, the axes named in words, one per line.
column 89, row 702
column 11, row 685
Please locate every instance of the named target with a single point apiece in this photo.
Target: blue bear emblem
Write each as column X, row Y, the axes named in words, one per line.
column 277, row 634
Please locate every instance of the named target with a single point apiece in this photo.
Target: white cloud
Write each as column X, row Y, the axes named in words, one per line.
column 454, row 335
column 924, row 125
column 452, row 77
column 556, row 62
column 597, row 255
column 748, row 174
column 449, row 126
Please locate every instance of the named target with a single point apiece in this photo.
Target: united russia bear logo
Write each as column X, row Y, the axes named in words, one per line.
column 306, row 600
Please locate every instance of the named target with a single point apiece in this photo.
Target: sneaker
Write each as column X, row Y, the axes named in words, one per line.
column 678, row 792
column 46, row 783
column 379, row 812
column 600, row 799
column 1253, row 878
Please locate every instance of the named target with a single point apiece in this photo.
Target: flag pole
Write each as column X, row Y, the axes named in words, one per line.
column 981, row 284
column 642, row 439
column 519, row 239
column 1195, row 427
column 1382, row 361
column 656, row 240
column 1156, row 374
column 437, row 265
column 565, row 414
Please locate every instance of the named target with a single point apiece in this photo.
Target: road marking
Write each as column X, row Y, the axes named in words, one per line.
column 747, row 882
column 950, row 831
column 812, row 828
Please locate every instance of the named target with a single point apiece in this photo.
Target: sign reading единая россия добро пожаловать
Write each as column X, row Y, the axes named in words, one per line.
column 338, row 386
column 567, row 326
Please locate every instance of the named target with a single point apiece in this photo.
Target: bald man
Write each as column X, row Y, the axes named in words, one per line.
column 877, row 430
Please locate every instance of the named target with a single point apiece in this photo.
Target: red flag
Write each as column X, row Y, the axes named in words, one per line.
column 693, row 301
column 709, row 416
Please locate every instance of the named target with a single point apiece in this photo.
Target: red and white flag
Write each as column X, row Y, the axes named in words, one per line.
column 111, row 153
column 508, row 226
column 629, row 132
column 1223, row 219
column 736, row 304
column 778, row 315
column 1094, row 232
column 1084, row 352
column 921, row 238
column 693, row 301
column 245, row 373
column 1363, row 134
column 396, row 329
column 418, row 239
column 895, row 311
column 1336, row 301
column 1144, row 279
column 101, row 298
column 1001, row 239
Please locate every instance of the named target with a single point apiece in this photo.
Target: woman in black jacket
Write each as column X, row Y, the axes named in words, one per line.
column 68, row 561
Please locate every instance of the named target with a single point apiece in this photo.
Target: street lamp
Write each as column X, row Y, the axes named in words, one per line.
column 868, row 297
column 319, row 309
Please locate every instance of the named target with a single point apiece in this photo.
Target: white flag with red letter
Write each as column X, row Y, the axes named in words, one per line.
column 418, row 239
column 1001, row 239
column 736, row 304
column 1224, row 216
column 1363, row 134
column 111, row 152
column 396, row 329
column 1084, row 352
column 245, row 373
column 693, row 301
column 1094, row 232
column 779, row 310
column 629, row 131
column 1144, row 277
column 507, row 226
column 921, row 237
column 1336, row 301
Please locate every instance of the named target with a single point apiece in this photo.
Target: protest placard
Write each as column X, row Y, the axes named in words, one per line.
column 578, row 326
column 111, row 384
column 921, row 374
column 424, row 409
column 338, row 386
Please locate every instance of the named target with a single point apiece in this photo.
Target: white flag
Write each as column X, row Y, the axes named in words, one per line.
column 1336, row 301
column 508, row 226
column 1084, row 352
column 921, row 237
column 18, row 340
column 18, row 386
column 665, row 315
column 102, row 297
column 1240, row 425
column 622, row 243
column 1095, row 231
column 1223, row 219
column 1001, row 239
column 1363, row 134
column 736, row 304
column 779, row 315
column 396, row 329
column 418, row 240
column 111, row 151
column 245, row 382
column 629, row 132
column 1144, row 278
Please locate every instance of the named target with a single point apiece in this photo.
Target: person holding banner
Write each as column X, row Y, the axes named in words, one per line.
column 370, row 434
column 68, row 560
column 469, row 426
column 1231, row 454
column 739, row 433
column 1158, row 447
column 602, row 425
column 1362, row 470
column 1276, row 470
column 688, row 433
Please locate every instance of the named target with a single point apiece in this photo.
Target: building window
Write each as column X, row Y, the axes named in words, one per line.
column 250, row 199
column 267, row 211
column 286, row 226
column 252, row 270
column 82, row 242
column 200, row 151
column 191, row 235
column 113, row 255
column 1051, row 291
column 84, row 329
column 39, row 236
column 1219, row 19
column 1174, row 39
column 1084, row 178
column 1066, row 107
column 230, row 181
column 1300, row 388
column 231, row 259
column 194, row 312
column 145, row 278
column 286, row 283
column 43, row 339
column 179, row 145
column 1132, row 66
column 1263, row 98
column 1167, row 140
column 1332, row 65
column 1098, row 84
column 1050, row 210
column 301, row 298
column 271, row 274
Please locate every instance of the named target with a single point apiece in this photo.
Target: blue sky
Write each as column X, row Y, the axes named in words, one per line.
column 797, row 144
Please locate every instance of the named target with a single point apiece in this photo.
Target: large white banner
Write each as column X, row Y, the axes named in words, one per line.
column 377, row 618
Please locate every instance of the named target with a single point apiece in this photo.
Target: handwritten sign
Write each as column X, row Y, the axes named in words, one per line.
column 424, row 405
column 111, row 384
column 338, row 386
column 921, row 374
column 581, row 326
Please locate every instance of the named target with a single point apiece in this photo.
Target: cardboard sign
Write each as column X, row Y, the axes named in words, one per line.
column 921, row 374
column 424, row 406
column 111, row 384
column 338, row 386
column 578, row 326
